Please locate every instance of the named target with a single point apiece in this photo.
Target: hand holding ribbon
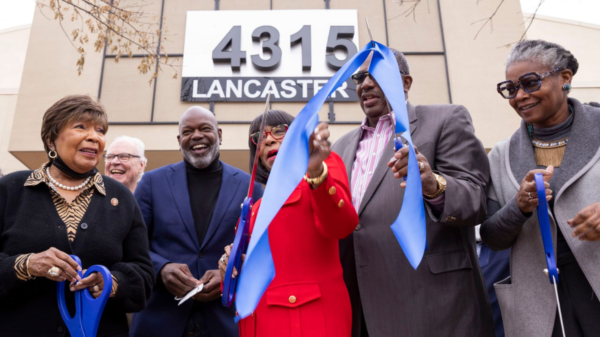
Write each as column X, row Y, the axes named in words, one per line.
column 292, row 163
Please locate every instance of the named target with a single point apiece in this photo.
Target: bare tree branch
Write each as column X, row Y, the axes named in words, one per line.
column 488, row 20
column 530, row 19
column 117, row 29
column 411, row 10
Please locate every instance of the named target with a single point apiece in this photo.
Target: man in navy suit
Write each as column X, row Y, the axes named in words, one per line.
column 191, row 209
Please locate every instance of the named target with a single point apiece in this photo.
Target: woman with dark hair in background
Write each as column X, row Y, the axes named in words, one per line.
column 67, row 207
column 558, row 138
column 308, row 296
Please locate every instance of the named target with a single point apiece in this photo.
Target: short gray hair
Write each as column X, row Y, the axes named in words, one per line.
column 547, row 53
column 401, row 59
column 139, row 145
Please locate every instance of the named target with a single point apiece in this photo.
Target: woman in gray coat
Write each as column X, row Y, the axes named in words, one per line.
column 559, row 138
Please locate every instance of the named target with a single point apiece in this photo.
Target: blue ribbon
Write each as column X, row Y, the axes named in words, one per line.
column 291, row 165
column 409, row 226
column 544, row 221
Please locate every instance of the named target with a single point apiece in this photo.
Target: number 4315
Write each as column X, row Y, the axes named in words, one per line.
column 229, row 49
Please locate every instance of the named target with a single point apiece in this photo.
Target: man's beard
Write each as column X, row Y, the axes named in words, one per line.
column 204, row 161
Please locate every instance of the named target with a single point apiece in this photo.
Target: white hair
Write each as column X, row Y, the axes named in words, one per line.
column 139, row 145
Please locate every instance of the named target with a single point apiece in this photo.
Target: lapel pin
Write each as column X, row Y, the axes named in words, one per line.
column 114, row 201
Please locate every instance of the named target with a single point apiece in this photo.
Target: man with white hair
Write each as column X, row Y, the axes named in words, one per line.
column 125, row 161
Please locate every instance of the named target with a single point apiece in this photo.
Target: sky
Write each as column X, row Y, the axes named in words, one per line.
column 20, row 12
column 577, row 10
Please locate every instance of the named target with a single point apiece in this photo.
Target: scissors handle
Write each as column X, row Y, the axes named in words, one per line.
column 544, row 221
column 240, row 245
column 88, row 310
column 93, row 307
column 73, row 323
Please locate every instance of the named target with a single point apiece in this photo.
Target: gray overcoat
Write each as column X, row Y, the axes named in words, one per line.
column 526, row 298
column 446, row 295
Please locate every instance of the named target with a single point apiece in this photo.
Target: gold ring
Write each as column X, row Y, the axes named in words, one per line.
column 223, row 260
column 421, row 166
column 96, row 288
column 54, row 271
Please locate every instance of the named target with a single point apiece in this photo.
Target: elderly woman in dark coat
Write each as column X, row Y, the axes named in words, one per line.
column 66, row 207
column 559, row 138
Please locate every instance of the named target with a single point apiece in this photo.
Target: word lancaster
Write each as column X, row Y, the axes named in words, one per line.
column 250, row 89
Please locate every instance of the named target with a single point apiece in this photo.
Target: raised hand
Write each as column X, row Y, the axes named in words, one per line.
column 527, row 198
column 399, row 165
column 319, row 150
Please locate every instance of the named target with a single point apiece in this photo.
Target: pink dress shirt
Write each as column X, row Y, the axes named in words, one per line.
column 370, row 148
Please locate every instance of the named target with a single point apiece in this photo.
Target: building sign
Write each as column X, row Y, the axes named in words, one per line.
column 242, row 56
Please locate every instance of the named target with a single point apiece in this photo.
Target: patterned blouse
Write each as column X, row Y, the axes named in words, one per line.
column 70, row 213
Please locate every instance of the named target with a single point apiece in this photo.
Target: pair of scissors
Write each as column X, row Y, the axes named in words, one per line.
column 88, row 310
column 242, row 234
column 544, row 221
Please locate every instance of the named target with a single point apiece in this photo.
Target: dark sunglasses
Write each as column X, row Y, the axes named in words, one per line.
column 276, row 132
column 530, row 82
column 359, row 77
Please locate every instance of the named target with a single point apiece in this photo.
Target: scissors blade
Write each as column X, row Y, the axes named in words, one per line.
column 369, row 30
column 562, row 324
column 258, row 146
column 191, row 294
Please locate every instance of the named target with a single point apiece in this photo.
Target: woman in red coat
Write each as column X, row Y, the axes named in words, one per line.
column 308, row 296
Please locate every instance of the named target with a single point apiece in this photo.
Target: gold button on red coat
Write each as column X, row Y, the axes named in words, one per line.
column 332, row 190
column 292, row 299
column 341, row 203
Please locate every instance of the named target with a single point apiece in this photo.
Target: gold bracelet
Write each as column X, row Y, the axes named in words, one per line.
column 318, row 180
column 27, row 267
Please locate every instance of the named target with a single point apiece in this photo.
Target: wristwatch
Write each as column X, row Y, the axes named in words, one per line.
column 441, row 182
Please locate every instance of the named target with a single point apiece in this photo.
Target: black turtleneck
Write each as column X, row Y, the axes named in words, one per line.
column 203, row 187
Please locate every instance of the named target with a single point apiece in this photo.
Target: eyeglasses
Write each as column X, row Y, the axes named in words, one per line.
column 359, row 77
column 123, row 157
column 276, row 132
column 530, row 82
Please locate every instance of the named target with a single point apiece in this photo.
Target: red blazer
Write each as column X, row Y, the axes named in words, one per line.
column 308, row 296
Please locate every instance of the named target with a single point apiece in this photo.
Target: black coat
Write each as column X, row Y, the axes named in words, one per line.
column 114, row 236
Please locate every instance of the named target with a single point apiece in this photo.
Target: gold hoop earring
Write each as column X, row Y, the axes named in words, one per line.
column 52, row 156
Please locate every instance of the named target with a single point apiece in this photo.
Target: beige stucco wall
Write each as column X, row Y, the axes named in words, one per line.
column 582, row 40
column 475, row 66
column 13, row 45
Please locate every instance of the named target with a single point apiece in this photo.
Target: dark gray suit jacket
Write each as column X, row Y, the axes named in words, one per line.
column 446, row 295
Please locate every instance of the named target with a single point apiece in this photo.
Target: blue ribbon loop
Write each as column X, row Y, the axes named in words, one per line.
column 291, row 165
column 544, row 221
